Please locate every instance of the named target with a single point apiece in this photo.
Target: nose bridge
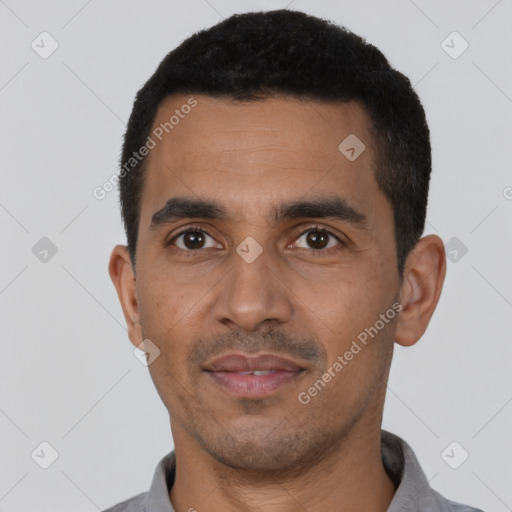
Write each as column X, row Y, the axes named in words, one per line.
column 252, row 294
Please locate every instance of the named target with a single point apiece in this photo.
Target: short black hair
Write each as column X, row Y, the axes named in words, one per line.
column 257, row 55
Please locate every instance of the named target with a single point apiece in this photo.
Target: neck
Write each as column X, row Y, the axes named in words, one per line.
column 349, row 478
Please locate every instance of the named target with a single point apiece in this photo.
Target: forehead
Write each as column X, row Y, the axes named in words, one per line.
column 248, row 154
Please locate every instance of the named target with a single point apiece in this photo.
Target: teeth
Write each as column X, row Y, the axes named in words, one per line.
column 256, row 372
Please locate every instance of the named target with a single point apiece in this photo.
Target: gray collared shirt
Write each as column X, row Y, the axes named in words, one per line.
column 413, row 493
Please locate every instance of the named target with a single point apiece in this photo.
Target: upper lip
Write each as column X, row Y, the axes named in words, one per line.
column 238, row 362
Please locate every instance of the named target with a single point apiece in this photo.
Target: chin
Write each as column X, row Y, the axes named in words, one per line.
column 270, row 449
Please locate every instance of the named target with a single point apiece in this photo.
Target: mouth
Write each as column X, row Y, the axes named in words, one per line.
column 253, row 376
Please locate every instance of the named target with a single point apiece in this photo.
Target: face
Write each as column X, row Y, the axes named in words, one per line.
column 262, row 247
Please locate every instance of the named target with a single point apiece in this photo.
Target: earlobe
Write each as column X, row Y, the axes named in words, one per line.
column 122, row 275
column 424, row 275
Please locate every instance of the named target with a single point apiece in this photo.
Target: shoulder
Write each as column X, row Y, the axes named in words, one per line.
column 459, row 507
column 414, row 492
column 435, row 501
column 134, row 504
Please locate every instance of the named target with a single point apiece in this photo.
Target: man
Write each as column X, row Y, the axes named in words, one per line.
column 274, row 183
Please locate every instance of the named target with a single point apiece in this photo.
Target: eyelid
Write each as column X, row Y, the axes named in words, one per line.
column 320, row 227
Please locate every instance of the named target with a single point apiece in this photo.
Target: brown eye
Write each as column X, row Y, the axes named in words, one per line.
column 192, row 239
column 318, row 239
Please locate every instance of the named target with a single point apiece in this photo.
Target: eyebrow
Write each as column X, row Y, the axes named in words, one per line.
column 332, row 207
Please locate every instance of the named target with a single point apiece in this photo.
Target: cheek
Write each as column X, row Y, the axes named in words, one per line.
column 356, row 323
column 171, row 315
column 166, row 320
column 345, row 299
column 164, row 316
column 165, row 297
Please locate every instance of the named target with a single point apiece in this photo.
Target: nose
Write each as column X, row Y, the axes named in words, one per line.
column 253, row 294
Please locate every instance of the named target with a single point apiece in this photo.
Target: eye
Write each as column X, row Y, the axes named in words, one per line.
column 192, row 239
column 318, row 238
column 195, row 238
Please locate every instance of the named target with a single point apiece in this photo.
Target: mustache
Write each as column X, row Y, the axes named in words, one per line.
column 270, row 340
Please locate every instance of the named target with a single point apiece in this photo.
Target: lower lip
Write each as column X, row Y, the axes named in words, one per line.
column 253, row 386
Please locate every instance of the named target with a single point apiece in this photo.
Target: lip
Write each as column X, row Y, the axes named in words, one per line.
column 242, row 362
column 232, row 372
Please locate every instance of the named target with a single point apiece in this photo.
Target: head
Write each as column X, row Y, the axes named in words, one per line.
column 301, row 161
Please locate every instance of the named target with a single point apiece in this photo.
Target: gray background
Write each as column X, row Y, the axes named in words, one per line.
column 68, row 373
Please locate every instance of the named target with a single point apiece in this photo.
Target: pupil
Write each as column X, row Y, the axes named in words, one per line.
column 191, row 240
column 313, row 239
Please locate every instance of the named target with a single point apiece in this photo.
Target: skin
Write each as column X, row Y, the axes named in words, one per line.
column 275, row 453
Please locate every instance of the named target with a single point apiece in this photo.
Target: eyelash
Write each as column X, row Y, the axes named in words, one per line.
column 316, row 228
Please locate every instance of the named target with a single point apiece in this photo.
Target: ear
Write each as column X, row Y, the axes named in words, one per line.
column 122, row 275
column 424, row 274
